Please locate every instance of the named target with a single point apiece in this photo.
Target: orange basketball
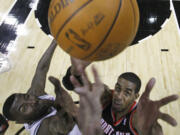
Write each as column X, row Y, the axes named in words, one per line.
column 93, row 30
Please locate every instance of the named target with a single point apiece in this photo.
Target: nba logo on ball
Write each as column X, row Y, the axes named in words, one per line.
column 93, row 30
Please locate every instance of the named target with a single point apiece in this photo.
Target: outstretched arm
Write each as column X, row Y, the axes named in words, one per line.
column 147, row 113
column 39, row 79
column 63, row 98
column 90, row 107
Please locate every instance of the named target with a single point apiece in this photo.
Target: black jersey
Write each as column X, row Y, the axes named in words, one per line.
column 121, row 127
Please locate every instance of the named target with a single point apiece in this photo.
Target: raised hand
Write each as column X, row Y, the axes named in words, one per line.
column 63, row 99
column 147, row 113
column 78, row 64
column 90, row 106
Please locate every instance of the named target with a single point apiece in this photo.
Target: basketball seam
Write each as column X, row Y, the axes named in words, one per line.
column 132, row 5
column 107, row 34
column 61, row 28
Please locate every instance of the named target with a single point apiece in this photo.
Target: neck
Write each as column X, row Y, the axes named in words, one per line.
column 119, row 114
column 46, row 109
column 47, row 112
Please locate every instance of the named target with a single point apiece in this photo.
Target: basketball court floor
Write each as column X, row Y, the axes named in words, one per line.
column 156, row 54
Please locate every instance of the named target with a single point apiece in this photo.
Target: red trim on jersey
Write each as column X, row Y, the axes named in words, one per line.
column 131, row 126
column 119, row 121
column 115, row 123
column 132, row 107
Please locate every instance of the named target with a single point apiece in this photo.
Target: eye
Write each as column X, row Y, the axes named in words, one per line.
column 23, row 108
column 127, row 93
column 118, row 88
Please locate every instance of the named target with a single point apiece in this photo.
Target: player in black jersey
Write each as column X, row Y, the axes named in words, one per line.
column 121, row 115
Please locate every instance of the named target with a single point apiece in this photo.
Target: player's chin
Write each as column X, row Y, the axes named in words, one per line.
column 116, row 107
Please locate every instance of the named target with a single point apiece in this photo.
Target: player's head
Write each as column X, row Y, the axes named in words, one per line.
column 24, row 108
column 126, row 91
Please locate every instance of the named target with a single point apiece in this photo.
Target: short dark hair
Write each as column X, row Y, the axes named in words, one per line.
column 132, row 77
column 7, row 106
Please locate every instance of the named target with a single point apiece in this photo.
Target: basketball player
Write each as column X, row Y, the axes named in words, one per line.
column 121, row 115
column 35, row 107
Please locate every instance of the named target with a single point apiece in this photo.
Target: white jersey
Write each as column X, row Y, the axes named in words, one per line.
column 33, row 128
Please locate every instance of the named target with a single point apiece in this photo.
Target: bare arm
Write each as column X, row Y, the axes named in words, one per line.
column 63, row 98
column 64, row 120
column 39, row 79
column 90, row 107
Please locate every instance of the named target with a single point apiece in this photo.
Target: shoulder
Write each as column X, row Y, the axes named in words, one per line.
column 56, row 124
column 106, row 97
column 40, row 125
column 48, row 125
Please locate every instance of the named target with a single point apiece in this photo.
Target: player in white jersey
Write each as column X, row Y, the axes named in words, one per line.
column 35, row 107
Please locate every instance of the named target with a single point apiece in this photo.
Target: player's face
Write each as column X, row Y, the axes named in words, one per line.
column 124, row 95
column 28, row 107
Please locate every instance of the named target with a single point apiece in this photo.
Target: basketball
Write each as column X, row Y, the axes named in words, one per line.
column 93, row 30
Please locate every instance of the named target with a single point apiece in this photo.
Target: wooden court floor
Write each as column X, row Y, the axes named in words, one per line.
column 145, row 59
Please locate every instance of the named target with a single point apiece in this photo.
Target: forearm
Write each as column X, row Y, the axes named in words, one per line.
column 93, row 131
column 92, row 125
column 63, row 98
column 66, row 102
column 39, row 79
column 89, row 117
column 45, row 60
